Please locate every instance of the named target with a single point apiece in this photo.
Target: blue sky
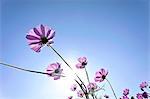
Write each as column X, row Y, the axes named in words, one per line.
column 111, row 34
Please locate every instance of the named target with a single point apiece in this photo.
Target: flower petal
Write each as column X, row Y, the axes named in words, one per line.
column 34, row 43
column 43, row 30
column 36, row 47
column 56, row 77
column 30, row 37
column 51, row 35
column 36, row 31
column 82, row 59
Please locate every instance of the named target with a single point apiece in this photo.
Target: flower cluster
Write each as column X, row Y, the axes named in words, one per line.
column 144, row 88
column 143, row 95
column 41, row 36
column 125, row 94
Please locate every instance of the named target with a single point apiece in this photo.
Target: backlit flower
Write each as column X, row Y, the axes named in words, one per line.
column 73, row 87
column 126, row 92
column 145, row 95
column 101, row 75
column 70, row 97
column 125, row 97
column 92, row 87
column 82, row 62
column 54, row 70
column 80, row 93
column 39, row 36
column 143, row 85
column 139, row 96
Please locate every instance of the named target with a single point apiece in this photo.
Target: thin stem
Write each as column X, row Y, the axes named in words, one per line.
column 87, row 75
column 111, row 88
column 60, row 56
column 66, row 64
column 92, row 96
column 27, row 70
column 85, row 93
column 80, row 86
column 95, row 97
column 13, row 66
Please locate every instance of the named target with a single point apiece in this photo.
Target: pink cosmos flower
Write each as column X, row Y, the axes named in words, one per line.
column 73, row 87
column 82, row 62
column 101, row 75
column 139, row 96
column 125, row 97
column 125, row 92
column 70, row 97
column 92, row 87
column 54, row 70
column 143, row 85
column 145, row 95
column 39, row 36
column 80, row 93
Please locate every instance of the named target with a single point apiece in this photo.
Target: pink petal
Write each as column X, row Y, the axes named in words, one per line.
column 56, row 77
column 82, row 59
column 31, row 32
column 54, row 66
column 98, row 78
column 78, row 65
column 98, row 74
column 43, row 30
column 51, row 34
column 36, row 47
column 38, row 28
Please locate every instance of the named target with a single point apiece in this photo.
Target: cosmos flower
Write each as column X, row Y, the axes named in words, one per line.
column 125, row 97
column 145, row 95
column 143, row 85
column 82, row 62
column 39, row 36
column 125, row 92
column 73, row 87
column 80, row 93
column 101, row 75
column 139, row 96
column 70, row 97
column 92, row 87
column 54, row 70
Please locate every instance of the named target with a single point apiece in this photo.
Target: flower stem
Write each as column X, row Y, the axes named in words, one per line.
column 85, row 93
column 111, row 88
column 66, row 64
column 87, row 75
column 13, row 66
column 92, row 96
column 60, row 57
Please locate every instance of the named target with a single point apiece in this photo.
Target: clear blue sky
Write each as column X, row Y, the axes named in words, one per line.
column 112, row 34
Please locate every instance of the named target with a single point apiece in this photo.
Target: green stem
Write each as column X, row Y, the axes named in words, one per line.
column 60, row 57
column 66, row 64
column 87, row 75
column 111, row 88
column 92, row 96
column 85, row 93
column 13, row 66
